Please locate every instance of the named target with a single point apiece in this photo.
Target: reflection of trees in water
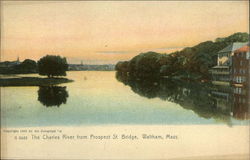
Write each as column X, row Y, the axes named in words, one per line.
column 195, row 96
column 52, row 95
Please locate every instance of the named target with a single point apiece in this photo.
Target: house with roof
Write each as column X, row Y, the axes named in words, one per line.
column 232, row 77
column 222, row 72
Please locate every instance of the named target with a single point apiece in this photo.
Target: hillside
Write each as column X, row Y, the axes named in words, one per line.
column 189, row 63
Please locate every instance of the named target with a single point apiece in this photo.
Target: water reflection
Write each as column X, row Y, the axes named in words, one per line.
column 52, row 95
column 207, row 101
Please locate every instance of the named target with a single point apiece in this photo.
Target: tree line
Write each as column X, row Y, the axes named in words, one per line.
column 49, row 65
column 189, row 63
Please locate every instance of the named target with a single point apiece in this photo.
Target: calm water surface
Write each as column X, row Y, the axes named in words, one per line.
column 105, row 98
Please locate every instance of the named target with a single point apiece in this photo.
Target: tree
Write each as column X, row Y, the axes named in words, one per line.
column 51, row 66
column 145, row 64
column 29, row 64
column 122, row 66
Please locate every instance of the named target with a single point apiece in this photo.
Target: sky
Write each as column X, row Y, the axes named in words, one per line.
column 100, row 32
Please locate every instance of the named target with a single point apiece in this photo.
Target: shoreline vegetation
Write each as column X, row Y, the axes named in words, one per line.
column 191, row 63
column 50, row 65
column 32, row 81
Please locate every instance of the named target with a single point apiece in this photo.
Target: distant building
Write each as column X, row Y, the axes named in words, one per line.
column 16, row 62
column 87, row 67
column 10, row 63
column 222, row 72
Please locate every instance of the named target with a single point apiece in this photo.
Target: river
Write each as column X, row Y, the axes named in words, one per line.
column 104, row 98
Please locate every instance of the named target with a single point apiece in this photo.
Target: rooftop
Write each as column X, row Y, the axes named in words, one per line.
column 243, row 49
column 234, row 46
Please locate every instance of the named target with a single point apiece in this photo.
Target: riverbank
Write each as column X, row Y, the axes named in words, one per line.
column 32, row 81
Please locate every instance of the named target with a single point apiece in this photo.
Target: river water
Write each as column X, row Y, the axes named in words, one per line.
column 105, row 98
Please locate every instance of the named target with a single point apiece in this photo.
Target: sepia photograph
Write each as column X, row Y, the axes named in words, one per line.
column 125, row 80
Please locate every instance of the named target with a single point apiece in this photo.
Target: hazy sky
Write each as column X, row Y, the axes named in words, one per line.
column 106, row 32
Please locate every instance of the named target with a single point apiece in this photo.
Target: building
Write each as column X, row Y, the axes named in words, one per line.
column 231, row 77
column 240, row 66
column 241, row 82
column 222, row 72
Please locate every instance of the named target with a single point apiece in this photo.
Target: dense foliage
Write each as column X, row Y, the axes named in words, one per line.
column 27, row 66
column 52, row 66
column 189, row 63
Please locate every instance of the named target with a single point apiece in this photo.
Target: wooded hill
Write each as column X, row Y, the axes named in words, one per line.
column 189, row 63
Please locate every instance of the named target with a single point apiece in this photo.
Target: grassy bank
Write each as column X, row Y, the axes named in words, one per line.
column 32, row 81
